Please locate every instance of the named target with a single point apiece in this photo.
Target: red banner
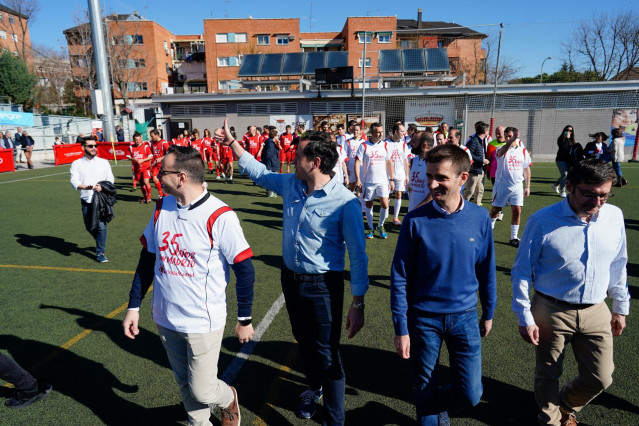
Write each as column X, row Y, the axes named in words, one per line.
column 6, row 161
column 67, row 153
column 105, row 150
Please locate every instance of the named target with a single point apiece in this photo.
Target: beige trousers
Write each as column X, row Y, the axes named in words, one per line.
column 589, row 332
column 193, row 358
column 474, row 186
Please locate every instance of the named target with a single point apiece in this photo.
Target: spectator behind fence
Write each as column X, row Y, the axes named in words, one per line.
column 27, row 147
column 617, row 155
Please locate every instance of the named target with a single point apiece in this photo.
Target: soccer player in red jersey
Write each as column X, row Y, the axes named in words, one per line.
column 197, row 143
column 140, row 155
column 285, row 152
column 226, row 162
column 252, row 141
column 181, row 140
column 210, row 152
column 159, row 148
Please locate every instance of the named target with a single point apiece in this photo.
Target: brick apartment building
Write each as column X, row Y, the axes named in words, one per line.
column 14, row 33
column 148, row 59
column 139, row 53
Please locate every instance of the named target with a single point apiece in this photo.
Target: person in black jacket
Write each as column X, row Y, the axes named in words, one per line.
column 475, row 146
column 270, row 156
column 597, row 148
column 565, row 142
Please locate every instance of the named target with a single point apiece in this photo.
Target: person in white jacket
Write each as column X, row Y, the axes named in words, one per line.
column 616, row 155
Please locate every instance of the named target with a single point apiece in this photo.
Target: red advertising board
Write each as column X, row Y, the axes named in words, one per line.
column 67, row 153
column 6, row 161
column 105, row 150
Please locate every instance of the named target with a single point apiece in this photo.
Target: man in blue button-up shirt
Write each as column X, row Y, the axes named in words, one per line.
column 574, row 254
column 321, row 219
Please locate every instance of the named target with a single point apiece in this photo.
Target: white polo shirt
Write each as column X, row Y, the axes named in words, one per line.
column 194, row 246
column 89, row 172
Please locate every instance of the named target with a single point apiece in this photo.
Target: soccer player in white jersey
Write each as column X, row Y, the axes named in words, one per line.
column 400, row 152
column 376, row 166
column 418, row 192
column 341, row 138
column 189, row 245
column 513, row 167
column 352, row 145
column 440, row 139
column 340, row 168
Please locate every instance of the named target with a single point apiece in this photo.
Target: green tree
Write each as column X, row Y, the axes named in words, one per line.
column 16, row 81
column 566, row 74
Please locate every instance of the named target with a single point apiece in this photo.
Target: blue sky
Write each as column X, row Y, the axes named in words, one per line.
column 532, row 31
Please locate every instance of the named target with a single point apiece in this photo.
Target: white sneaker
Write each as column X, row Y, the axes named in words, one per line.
column 563, row 194
column 500, row 216
column 555, row 187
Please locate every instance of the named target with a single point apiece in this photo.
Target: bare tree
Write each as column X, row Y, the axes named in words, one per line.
column 80, row 45
column 27, row 9
column 509, row 69
column 53, row 69
column 607, row 44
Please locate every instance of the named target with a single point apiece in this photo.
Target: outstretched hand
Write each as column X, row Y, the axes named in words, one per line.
column 223, row 135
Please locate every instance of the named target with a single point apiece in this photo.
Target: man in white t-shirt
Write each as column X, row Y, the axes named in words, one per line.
column 399, row 155
column 341, row 138
column 373, row 179
column 189, row 245
column 352, row 145
column 513, row 167
column 418, row 191
column 340, row 168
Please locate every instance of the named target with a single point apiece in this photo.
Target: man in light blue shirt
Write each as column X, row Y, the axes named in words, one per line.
column 321, row 219
column 574, row 254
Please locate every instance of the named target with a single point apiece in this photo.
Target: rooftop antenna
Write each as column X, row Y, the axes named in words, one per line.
column 226, row 14
column 310, row 19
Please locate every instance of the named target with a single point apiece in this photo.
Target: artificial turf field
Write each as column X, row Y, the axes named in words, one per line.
column 61, row 315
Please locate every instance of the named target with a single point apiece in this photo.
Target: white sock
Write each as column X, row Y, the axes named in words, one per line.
column 369, row 217
column 492, row 221
column 363, row 203
column 514, row 229
column 383, row 215
column 397, row 207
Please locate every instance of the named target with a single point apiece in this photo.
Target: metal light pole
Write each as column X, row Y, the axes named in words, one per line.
column 492, row 110
column 102, row 70
column 541, row 73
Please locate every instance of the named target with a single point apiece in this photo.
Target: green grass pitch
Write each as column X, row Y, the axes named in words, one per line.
column 61, row 315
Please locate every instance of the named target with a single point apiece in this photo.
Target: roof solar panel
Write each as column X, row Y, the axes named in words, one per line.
column 437, row 59
column 250, row 65
column 313, row 61
column 414, row 60
column 293, row 63
column 271, row 64
column 336, row 59
column 390, row 60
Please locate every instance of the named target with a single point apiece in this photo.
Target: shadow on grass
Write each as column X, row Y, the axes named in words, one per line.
column 57, row 244
column 87, row 382
column 259, row 212
column 272, row 224
column 632, row 225
column 146, row 345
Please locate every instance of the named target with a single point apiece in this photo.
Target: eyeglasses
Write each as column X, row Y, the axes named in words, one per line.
column 168, row 172
column 91, row 146
column 593, row 195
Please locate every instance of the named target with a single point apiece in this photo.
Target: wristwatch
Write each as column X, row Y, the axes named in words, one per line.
column 358, row 306
column 245, row 322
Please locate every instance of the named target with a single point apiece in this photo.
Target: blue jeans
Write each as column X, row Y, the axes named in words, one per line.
column 314, row 307
column 100, row 235
column 460, row 331
column 563, row 173
column 617, row 168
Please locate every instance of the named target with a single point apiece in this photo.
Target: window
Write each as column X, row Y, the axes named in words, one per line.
column 14, row 37
column 1, row 17
column 78, row 61
column 3, row 35
column 228, row 61
column 137, row 86
column 263, row 39
column 407, row 44
column 384, row 38
column 11, row 20
column 128, row 39
column 228, row 84
column 282, row 40
column 361, row 34
column 230, row 38
column 368, row 62
column 131, row 63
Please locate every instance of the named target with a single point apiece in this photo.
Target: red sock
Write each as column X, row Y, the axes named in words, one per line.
column 158, row 185
column 143, row 189
column 148, row 191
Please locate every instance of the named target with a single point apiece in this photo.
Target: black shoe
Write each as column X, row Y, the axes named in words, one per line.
column 231, row 181
column 514, row 242
column 308, row 403
column 24, row 399
column 624, row 181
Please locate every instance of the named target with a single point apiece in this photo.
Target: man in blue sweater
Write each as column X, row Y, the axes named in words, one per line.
column 444, row 255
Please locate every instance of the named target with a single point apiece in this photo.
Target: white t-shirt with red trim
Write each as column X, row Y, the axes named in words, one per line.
column 373, row 157
column 341, row 159
column 510, row 167
column 400, row 152
column 351, row 153
column 193, row 247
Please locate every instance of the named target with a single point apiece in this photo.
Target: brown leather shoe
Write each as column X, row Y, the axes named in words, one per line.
column 231, row 414
column 568, row 419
